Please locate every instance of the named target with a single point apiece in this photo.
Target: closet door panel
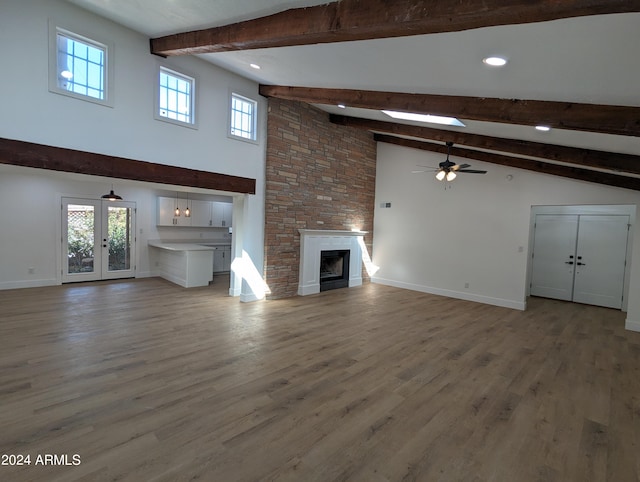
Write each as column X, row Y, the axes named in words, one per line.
column 600, row 260
column 553, row 261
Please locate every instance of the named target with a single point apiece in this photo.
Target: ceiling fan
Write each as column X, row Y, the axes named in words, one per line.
column 448, row 170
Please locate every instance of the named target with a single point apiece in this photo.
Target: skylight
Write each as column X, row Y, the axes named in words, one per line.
column 432, row 119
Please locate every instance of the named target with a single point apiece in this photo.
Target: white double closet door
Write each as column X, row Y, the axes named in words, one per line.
column 580, row 258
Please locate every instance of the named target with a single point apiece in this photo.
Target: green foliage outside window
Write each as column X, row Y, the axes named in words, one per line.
column 80, row 236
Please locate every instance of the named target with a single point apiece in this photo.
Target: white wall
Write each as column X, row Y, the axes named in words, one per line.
column 435, row 240
column 128, row 129
column 31, row 238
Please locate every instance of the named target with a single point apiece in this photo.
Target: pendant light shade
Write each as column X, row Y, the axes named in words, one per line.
column 440, row 175
column 112, row 196
column 187, row 211
column 176, row 213
column 451, row 175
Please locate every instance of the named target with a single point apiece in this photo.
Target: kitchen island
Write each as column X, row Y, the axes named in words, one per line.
column 186, row 264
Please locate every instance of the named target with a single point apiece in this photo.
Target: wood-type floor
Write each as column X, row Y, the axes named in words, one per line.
column 143, row 380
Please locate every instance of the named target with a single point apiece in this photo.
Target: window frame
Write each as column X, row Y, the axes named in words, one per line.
column 107, row 74
column 183, row 75
column 254, row 127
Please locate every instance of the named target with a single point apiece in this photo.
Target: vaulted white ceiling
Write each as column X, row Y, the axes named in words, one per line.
column 592, row 60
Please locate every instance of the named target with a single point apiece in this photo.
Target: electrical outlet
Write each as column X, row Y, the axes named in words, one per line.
column 466, row 285
column 31, row 270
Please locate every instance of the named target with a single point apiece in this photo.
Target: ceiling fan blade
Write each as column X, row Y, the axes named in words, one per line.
column 416, row 172
column 472, row 171
column 457, row 167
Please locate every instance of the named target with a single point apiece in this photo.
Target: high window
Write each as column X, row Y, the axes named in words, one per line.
column 80, row 67
column 175, row 97
column 243, row 117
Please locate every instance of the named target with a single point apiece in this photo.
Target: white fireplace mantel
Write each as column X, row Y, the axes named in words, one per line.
column 313, row 242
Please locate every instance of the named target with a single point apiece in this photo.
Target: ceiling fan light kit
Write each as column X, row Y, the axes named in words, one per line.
column 448, row 170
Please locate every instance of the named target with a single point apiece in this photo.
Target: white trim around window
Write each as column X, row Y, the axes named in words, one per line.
column 243, row 118
column 79, row 66
column 175, row 97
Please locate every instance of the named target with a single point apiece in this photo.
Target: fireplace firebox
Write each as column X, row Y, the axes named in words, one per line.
column 334, row 269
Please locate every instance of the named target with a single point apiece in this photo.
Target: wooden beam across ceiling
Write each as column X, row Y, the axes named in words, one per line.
column 572, row 155
column 607, row 119
column 348, row 20
column 39, row 156
column 520, row 163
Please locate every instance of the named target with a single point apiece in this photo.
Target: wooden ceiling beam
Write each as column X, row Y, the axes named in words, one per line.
column 571, row 155
column 606, row 119
column 528, row 164
column 39, row 156
column 349, row 20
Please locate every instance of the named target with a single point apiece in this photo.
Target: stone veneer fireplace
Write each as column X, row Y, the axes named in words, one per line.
column 313, row 242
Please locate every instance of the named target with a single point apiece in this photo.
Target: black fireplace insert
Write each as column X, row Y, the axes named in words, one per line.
column 334, row 269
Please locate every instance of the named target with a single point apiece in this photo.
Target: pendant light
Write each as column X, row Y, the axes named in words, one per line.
column 187, row 212
column 176, row 213
column 112, row 196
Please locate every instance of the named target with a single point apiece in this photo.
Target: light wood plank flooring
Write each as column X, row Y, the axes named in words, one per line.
column 147, row 381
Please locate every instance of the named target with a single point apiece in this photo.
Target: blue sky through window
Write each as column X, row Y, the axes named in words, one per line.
column 81, row 67
column 175, row 96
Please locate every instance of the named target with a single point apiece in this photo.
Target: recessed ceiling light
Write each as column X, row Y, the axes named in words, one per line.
column 255, row 66
column 342, row 106
column 433, row 119
column 543, row 128
column 495, row 61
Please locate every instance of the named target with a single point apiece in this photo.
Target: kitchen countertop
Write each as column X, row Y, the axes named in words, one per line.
column 183, row 246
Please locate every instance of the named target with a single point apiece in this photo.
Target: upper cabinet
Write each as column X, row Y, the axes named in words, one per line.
column 166, row 213
column 201, row 214
column 204, row 214
column 221, row 214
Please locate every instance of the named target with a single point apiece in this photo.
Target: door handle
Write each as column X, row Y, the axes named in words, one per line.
column 581, row 264
column 569, row 262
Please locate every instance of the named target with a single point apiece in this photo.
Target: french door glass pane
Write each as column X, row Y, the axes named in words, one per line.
column 119, row 226
column 80, row 235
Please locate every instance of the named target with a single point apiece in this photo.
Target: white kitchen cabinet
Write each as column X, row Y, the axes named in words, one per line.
column 201, row 214
column 222, row 259
column 166, row 213
column 222, row 214
column 204, row 214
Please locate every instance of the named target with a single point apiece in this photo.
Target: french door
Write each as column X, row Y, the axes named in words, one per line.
column 580, row 258
column 98, row 239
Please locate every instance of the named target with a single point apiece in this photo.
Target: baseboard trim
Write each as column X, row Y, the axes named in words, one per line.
column 487, row 300
column 12, row 285
column 249, row 298
column 632, row 325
